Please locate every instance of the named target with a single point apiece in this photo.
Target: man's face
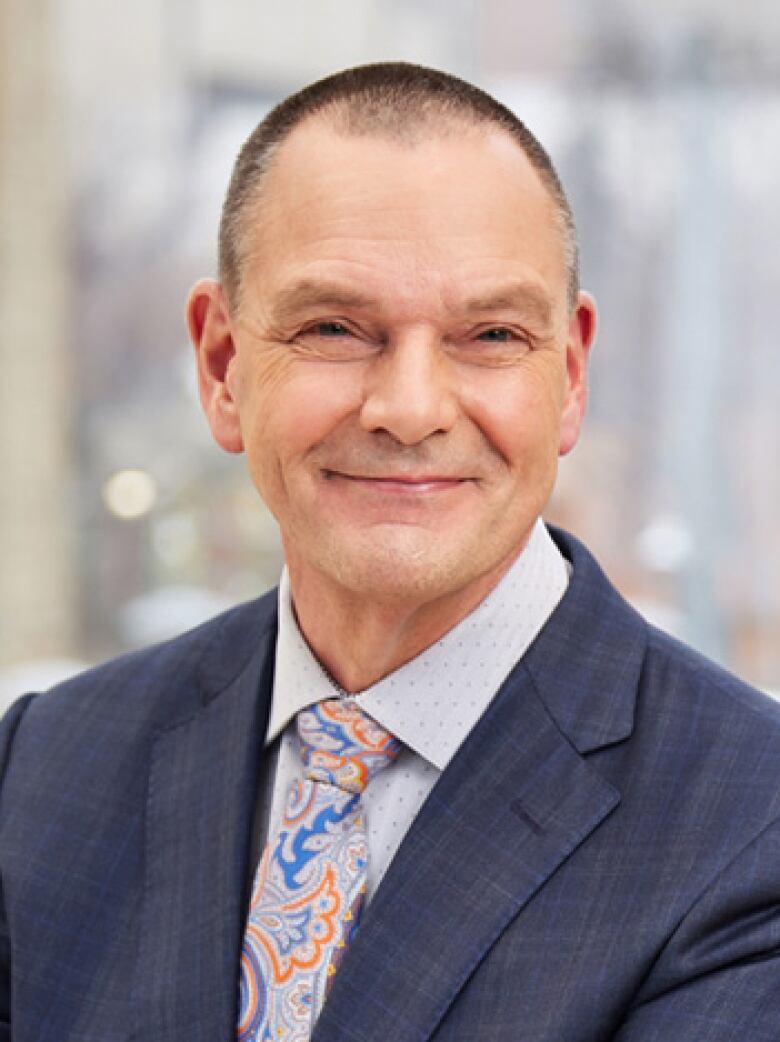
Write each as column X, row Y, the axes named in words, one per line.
column 403, row 369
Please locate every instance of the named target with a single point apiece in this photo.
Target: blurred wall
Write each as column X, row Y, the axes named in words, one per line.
column 38, row 574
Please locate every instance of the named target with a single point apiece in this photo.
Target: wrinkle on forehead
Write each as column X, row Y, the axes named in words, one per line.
column 317, row 199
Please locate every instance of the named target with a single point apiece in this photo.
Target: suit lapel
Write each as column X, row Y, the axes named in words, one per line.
column 513, row 804
column 518, row 798
column 202, row 793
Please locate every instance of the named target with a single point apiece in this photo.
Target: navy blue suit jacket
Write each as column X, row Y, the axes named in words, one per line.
column 600, row 861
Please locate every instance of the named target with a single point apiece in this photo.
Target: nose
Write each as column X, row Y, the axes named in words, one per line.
column 409, row 391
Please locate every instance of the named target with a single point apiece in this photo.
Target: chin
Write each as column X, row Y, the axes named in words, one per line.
column 404, row 565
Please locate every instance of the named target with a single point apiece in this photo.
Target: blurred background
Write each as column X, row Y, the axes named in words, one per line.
column 121, row 523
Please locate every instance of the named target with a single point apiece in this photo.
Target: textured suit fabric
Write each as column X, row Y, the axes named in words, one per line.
column 599, row 861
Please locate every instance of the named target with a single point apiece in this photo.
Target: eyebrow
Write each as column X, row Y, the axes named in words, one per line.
column 308, row 293
column 522, row 297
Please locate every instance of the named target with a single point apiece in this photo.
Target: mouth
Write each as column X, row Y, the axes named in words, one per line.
column 402, row 484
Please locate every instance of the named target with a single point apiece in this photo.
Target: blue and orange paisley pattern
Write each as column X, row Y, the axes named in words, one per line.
column 310, row 884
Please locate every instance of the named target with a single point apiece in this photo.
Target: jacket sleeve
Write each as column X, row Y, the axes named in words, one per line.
column 8, row 726
column 718, row 977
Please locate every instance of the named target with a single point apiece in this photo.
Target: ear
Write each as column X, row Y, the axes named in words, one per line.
column 208, row 320
column 582, row 333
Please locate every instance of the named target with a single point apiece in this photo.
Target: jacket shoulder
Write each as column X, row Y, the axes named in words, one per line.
column 685, row 681
column 155, row 684
column 604, row 671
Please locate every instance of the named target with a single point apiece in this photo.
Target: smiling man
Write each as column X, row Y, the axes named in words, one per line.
column 444, row 783
column 402, row 363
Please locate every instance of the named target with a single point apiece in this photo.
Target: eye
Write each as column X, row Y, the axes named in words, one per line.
column 329, row 329
column 492, row 345
column 333, row 341
column 497, row 335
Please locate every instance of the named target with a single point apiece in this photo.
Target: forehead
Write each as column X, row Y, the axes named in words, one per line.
column 462, row 206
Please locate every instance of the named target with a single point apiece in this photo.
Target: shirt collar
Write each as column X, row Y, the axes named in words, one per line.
column 432, row 702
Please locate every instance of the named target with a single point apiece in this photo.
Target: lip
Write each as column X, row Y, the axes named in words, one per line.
column 400, row 483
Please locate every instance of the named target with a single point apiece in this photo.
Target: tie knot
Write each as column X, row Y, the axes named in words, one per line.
column 342, row 746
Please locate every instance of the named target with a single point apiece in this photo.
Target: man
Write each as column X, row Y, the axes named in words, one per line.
column 574, row 833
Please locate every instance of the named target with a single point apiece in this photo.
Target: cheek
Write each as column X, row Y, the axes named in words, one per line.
column 291, row 405
column 519, row 413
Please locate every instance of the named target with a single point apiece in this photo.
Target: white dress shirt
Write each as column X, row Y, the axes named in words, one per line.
column 431, row 703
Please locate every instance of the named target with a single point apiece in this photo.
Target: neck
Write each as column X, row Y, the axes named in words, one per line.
column 360, row 639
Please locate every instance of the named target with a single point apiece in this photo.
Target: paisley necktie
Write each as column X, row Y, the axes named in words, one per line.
column 310, row 884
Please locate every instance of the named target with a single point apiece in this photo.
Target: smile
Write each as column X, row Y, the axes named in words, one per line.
column 400, row 484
